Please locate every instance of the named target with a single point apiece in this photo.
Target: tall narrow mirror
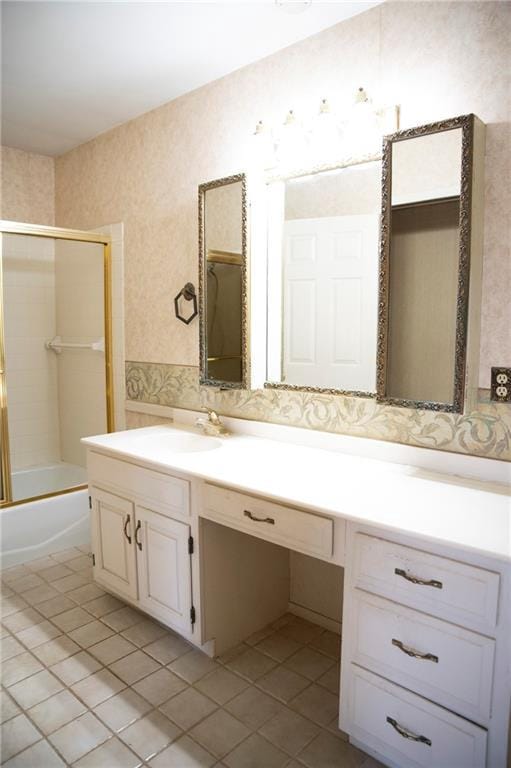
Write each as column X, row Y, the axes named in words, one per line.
column 222, row 282
column 425, row 265
column 323, row 279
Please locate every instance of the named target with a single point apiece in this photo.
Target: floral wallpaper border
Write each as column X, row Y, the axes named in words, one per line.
column 485, row 431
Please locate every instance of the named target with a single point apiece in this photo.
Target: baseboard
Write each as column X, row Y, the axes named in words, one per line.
column 315, row 618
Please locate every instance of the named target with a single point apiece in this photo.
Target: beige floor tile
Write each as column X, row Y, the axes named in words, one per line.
column 24, row 583
column 144, row 632
column 40, row 594
column 221, row 685
column 18, row 668
column 55, row 572
column 122, row 710
column 370, row 762
column 79, row 737
column 40, row 755
column 258, row 636
column 232, row 653
column 56, row 711
column 302, row 631
column 150, row 735
column 17, row 734
column 66, row 554
column 326, row 751
column 331, row 679
column 35, row 688
column 5, row 591
column 69, row 583
column 289, row 731
column 168, row 648
column 123, row 618
column 283, row 683
column 252, row 664
column 188, row 708
column 111, row 649
column 85, row 594
column 193, row 665
column 55, row 606
column 220, row 733
column 111, row 754
column 183, row 753
column 278, row 646
column 97, row 687
column 10, row 647
column 40, row 564
column 76, row 668
column 23, row 619
column 159, row 687
column 256, row 752
column 101, row 606
column 55, row 650
column 134, row 667
column 317, row 704
column 90, row 634
column 329, row 643
column 12, row 605
column 8, row 707
column 309, row 663
column 254, row 708
column 38, row 634
column 16, row 572
column 79, row 563
column 72, row 619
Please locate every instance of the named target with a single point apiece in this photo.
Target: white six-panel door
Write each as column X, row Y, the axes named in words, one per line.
column 164, row 569
column 113, row 526
column 330, row 283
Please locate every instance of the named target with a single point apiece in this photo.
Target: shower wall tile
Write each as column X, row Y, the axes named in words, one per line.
column 31, row 369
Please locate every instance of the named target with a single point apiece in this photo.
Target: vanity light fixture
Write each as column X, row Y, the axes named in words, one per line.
column 263, row 148
column 293, row 6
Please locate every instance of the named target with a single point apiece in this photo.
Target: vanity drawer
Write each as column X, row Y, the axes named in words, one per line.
column 170, row 493
column 409, row 730
column 451, row 666
column 458, row 592
column 289, row 527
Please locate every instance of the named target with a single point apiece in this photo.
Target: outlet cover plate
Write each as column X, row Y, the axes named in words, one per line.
column 501, row 385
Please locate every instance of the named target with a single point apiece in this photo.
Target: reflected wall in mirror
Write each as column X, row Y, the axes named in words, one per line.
column 323, row 279
column 222, row 282
column 427, row 233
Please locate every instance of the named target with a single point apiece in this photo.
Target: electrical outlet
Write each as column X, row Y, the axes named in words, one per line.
column 501, row 385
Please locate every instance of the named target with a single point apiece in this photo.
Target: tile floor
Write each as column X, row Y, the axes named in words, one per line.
column 87, row 681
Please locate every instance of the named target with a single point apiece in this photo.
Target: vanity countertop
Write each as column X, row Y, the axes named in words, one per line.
column 444, row 508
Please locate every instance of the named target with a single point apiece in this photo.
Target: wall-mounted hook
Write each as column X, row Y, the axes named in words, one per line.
column 188, row 293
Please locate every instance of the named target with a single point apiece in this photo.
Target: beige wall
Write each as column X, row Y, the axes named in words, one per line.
column 27, row 187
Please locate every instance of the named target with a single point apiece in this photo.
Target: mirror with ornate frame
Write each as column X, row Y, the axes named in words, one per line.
column 323, row 244
column 223, row 282
column 430, row 261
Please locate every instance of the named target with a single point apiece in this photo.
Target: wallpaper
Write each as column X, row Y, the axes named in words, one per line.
column 27, row 187
column 483, row 432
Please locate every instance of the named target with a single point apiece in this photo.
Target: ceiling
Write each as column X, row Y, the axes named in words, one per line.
column 71, row 70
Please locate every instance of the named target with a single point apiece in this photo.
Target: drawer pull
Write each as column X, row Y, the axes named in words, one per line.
column 126, row 523
column 414, row 654
column 268, row 520
column 138, row 543
column 417, row 580
column 406, row 734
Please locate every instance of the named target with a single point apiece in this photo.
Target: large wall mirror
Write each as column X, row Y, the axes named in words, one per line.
column 223, row 282
column 323, row 244
column 425, row 265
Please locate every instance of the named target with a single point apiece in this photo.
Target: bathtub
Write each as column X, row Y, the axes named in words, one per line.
column 37, row 528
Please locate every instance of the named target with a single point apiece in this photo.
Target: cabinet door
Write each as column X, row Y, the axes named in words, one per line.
column 164, row 568
column 113, row 544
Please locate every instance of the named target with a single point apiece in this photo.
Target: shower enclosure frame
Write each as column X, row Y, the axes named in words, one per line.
column 56, row 233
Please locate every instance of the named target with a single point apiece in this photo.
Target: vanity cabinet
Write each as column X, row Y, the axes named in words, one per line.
column 141, row 552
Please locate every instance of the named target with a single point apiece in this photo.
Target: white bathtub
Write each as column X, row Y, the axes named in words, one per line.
column 38, row 528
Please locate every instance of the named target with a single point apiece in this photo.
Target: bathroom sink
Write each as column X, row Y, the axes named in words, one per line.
column 176, row 442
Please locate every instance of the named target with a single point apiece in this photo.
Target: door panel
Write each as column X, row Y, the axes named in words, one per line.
column 113, row 523
column 164, row 569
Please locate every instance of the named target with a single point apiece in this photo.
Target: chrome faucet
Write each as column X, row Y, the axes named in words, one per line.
column 212, row 425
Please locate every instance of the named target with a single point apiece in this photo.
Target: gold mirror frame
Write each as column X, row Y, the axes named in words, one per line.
column 204, row 379
column 466, row 123
column 296, row 174
column 56, row 233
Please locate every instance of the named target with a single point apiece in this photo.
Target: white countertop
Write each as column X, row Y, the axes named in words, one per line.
column 447, row 509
